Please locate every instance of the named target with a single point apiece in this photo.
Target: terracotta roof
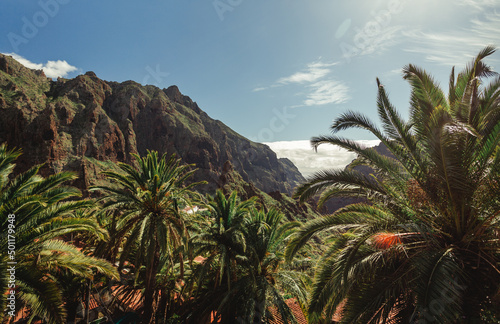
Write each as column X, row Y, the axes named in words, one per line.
column 199, row 259
column 93, row 303
column 294, row 307
column 296, row 311
column 133, row 302
column 25, row 312
column 299, row 314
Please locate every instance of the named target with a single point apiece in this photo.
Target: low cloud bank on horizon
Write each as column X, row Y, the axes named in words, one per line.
column 308, row 161
column 52, row 69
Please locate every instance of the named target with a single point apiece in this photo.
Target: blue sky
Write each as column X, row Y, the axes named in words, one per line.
column 272, row 70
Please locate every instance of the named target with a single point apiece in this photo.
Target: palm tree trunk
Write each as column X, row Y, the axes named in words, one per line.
column 71, row 309
column 87, row 302
column 259, row 313
column 149, row 291
column 162, row 305
column 148, row 299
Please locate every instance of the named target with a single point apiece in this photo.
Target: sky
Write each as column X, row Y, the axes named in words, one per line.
column 275, row 71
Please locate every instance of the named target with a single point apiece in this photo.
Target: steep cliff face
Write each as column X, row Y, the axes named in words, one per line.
column 83, row 123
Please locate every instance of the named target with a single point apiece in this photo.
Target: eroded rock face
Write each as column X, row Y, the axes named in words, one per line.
column 83, row 123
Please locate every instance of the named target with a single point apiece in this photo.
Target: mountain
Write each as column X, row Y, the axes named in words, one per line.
column 83, row 124
column 335, row 203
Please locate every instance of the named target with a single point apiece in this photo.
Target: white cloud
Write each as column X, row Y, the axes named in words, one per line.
column 447, row 48
column 308, row 161
column 327, row 91
column 52, row 69
column 322, row 89
column 259, row 89
column 315, row 71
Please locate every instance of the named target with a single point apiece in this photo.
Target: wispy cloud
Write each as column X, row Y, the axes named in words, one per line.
column 259, row 89
column 380, row 43
column 52, row 69
column 308, row 161
column 314, row 72
column 448, row 48
column 479, row 5
column 321, row 89
column 327, row 91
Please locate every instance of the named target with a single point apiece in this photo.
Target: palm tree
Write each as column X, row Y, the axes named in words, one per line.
column 222, row 240
column 259, row 275
column 151, row 222
column 426, row 245
column 269, row 276
column 34, row 215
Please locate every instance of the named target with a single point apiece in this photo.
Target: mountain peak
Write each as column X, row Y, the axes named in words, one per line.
column 91, row 74
column 174, row 94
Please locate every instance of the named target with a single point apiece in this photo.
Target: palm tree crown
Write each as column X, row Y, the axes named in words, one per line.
column 222, row 239
column 425, row 247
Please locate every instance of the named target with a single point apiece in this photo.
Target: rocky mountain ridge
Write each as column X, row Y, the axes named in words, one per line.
column 82, row 124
